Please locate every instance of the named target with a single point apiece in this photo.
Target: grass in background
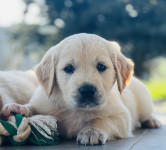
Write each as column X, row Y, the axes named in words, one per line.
column 157, row 83
column 157, row 88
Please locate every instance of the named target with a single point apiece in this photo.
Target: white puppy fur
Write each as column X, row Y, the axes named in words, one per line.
column 112, row 111
column 16, row 87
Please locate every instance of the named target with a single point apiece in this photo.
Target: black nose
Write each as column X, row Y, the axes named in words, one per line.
column 87, row 90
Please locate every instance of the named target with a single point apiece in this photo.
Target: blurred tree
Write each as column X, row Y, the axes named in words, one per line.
column 139, row 26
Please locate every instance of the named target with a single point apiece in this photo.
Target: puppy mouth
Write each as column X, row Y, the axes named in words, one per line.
column 87, row 105
column 87, row 102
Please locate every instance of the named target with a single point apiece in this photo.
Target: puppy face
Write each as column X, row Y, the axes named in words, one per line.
column 84, row 67
column 85, row 73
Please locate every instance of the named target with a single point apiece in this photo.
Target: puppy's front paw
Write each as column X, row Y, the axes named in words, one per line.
column 91, row 136
column 16, row 108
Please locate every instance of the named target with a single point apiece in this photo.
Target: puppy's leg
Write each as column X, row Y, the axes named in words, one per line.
column 90, row 135
column 39, row 104
column 98, row 131
column 152, row 122
column 14, row 108
column 5, row 99
column 8, row 106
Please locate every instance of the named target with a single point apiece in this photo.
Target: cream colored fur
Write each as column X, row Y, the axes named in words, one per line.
column 122, row 103
column 16, row 87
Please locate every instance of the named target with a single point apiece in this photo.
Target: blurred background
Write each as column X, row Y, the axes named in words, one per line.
column 28, row 28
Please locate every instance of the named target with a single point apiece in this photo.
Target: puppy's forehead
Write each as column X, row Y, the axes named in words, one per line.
column 84, row 46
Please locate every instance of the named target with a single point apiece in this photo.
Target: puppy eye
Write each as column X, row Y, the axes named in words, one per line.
column 101, row 67
column 69, row 69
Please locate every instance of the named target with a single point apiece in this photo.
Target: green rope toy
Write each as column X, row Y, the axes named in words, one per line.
column 37, row 130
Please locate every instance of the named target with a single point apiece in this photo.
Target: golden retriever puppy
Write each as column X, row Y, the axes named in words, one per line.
column 87, row 83
column 16, row 87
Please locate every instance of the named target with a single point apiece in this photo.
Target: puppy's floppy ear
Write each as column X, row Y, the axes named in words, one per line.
column 123, row 66
column 45, row 71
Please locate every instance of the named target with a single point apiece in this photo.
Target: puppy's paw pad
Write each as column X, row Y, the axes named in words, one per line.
column 15, row 108
column 90, row 136
column 151, row 123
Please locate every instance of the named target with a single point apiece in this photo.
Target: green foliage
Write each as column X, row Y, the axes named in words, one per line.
column 157, row 82
column 139, row 26
column 157, row 88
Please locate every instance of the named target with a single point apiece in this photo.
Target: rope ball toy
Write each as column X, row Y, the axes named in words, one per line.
column 37, row 130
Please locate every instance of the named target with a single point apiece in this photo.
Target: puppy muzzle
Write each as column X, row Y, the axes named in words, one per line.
column 87, row 96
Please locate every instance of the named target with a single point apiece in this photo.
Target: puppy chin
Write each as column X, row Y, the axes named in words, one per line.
column 90, row 107
column 87, row 105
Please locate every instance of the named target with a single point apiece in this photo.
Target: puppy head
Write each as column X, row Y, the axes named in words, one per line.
column 84, row 67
